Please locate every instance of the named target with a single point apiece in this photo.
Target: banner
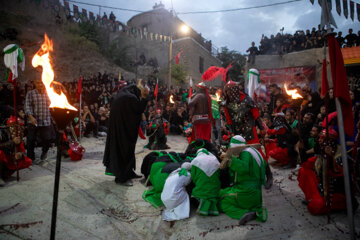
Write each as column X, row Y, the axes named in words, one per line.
column 345, row 7
column 292, row 76
column 352, row 10
column 338, row 7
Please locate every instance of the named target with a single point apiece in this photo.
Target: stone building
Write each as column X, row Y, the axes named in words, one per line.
column 159, row 24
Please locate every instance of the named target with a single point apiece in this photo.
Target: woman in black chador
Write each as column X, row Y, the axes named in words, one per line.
column 124, row 122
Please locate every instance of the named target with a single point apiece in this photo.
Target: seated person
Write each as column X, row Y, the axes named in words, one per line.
column 12, row 151
column 157, row 130
column 243, row 200
column 281, row 148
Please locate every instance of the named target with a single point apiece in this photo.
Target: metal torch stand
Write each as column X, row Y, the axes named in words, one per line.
column 56, row 185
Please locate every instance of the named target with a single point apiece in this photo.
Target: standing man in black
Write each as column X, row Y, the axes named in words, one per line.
column 125, row 116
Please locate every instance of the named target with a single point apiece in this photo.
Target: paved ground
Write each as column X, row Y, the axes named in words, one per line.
column 92, row 206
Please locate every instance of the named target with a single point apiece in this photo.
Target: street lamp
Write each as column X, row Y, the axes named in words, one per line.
column 184, row 29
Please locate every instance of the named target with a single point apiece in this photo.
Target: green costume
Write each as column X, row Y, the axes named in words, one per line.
column 205, row 174
column 157, row 179
column 248, row 174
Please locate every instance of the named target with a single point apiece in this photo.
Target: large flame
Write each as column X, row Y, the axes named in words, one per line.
column 172, row 99
column 42, row 58
column 293, row 93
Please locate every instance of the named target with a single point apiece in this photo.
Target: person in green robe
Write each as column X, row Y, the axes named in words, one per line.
column 243, row 200
column 205, row 174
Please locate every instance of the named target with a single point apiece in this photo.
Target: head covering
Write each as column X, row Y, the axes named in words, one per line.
column 186, row 165
column 236, row 141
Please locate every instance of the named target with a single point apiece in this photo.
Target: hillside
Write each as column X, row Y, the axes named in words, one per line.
column 73, row 55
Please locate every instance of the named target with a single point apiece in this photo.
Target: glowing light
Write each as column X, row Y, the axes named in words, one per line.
column 217, row 97
column 184, row 29
column 293, row 93
column 172, row 99
column 42, row 58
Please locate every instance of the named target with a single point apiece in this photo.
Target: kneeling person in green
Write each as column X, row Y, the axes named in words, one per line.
column 243, row 200
column 205, row 174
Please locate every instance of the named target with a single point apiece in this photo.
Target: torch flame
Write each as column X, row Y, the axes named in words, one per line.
column 217, row 97
column 42, row 58
column 293, row 93
column 172, row 99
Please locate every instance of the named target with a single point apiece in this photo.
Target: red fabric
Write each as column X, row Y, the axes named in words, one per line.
column 277, row 153
column 10, row 80
column 227, row 115
column 331, row 116
column 141, row 134
column 324, row 80
column 340, row 84
column 274, row 132
column 79, row 88
column 211, row 73
column 156, row 90
column 255, row 113
column 201, row 131
column 24, row 162
column 74, row 156
column 190, row 92
column 177, row 57
column 310, row 163
column 223, row 71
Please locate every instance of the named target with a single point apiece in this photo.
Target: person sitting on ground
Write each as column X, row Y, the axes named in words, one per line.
column 12, row 151
column 243, row 200
column 89, row 122
column 157, row 130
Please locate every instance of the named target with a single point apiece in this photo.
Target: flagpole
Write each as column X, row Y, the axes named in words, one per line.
column 342, row 143
column 80, row 128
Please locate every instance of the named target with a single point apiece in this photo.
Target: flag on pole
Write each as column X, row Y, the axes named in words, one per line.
column 352, row 10
column 79, row 88
column 190, row 90
column 338, row 7
column 340, row 83
column 177, row 57
column 253, row 83
column 345, row 7
column 324, row 80
column 156, row 88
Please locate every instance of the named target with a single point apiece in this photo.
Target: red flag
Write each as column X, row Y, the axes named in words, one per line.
column 79, row 88
column 340, row 84
column 324, row 80
column 141, row 133
column 190, row 92
column 177, row 57
column 156, row 90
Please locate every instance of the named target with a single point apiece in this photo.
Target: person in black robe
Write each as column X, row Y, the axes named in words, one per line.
column 125, row 116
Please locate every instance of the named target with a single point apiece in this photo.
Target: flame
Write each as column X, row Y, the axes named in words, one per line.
column 217, row 97
column 293, row 93
column 172, row 99
column 42, row 58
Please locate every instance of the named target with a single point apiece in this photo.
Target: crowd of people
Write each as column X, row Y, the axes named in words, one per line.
column 292, row 133
column 287, row 43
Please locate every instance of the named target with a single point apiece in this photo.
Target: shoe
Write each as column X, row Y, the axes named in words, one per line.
column 134, row 175
column 43, row 156
column 247, row 217
column 128, row 183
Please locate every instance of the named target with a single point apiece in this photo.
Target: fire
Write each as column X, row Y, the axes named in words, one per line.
column 293, row 93
column 217, row 97
column 172, row 99
column 42, row 58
